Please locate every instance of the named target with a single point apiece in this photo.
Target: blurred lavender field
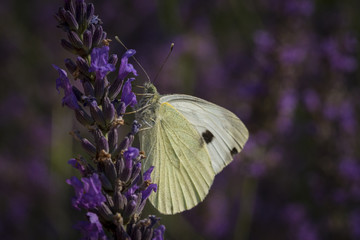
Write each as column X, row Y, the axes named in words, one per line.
column 287, row 68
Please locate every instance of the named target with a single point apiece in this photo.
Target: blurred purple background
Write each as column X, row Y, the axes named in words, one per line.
column 287, row 68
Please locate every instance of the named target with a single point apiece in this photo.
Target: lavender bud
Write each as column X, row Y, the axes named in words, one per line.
column 78, row 93
column 75, row 40
column 105, row 183
column 121, row 109
column 126, row 173
column 110, row 170
column 83, row 118
column 87, row 39
column 68, row 46
column 113, row 139
column 70, row 65
column 119, row 201
column 136, row 171
column 83, row 66
column 100, row 140
column 97, row 114
column 99, row 88
column 119, row 166
column 88, row 88
column 148, row 234
column 122, row 146
column 109, row 110
column 97, row 36
column 61, row 15
column 90, row 12
column 110, row 201
column 120, row 232
column 129, row 210
column 103, row 144
column 69, row 5
column 113, row 59
column 105, row 212
column 88, row 146
column 136, row 235
column 80, row 11
column 92, row 29
column 70, row 20
column 115, row 88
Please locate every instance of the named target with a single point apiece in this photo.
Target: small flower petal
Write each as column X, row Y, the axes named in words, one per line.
column 131, row 153
column 147, row 174
column 127, row 96
column 159, row 233
column 63, row 82
column 93, row 229
column 146, row 193
column 99, row 62
column 125, row 67
column 73, row 162
column 88, row 192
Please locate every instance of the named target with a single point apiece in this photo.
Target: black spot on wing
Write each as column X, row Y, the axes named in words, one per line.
column 207, row 136
column 234, row 151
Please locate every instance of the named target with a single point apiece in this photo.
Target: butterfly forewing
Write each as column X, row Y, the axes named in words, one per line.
column 183, row 168
column 223, row 132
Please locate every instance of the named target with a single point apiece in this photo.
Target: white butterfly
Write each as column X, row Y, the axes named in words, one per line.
column 188, row 141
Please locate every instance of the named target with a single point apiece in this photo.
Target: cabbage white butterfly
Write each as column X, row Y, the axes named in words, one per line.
column 188, row 140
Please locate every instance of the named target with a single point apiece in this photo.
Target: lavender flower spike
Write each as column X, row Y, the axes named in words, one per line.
column 112, row 188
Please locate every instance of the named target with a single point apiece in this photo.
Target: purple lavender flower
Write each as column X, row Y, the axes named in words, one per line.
column 125, row 67
column 75, row 163
column 88, row 192
column 127, row 96
column 63, row 81
column 131, row 153
column 146, row 188
column 100, row 62
column 112, row 189
column 91, row 230
column 152, row 187
column 159, row 233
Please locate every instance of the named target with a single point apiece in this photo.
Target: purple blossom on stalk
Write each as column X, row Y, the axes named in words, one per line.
column 75, row 164
column 159, row 233
column 88, row 192
column 148, row 189
column 63, row 82
column 152, row 187
column 91, row 230
column 125, row 67
column 127, row 96
column 100, row 62
column 112, row 188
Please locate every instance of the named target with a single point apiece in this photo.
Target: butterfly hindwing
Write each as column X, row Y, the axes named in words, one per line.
column 182, row 165
column 223, row 132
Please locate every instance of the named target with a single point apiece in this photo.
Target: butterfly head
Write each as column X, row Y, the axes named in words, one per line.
column 148, row 105
column 150, row 88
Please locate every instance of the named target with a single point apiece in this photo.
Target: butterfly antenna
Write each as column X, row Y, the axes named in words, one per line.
column 137, row 62
column 163, row 64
